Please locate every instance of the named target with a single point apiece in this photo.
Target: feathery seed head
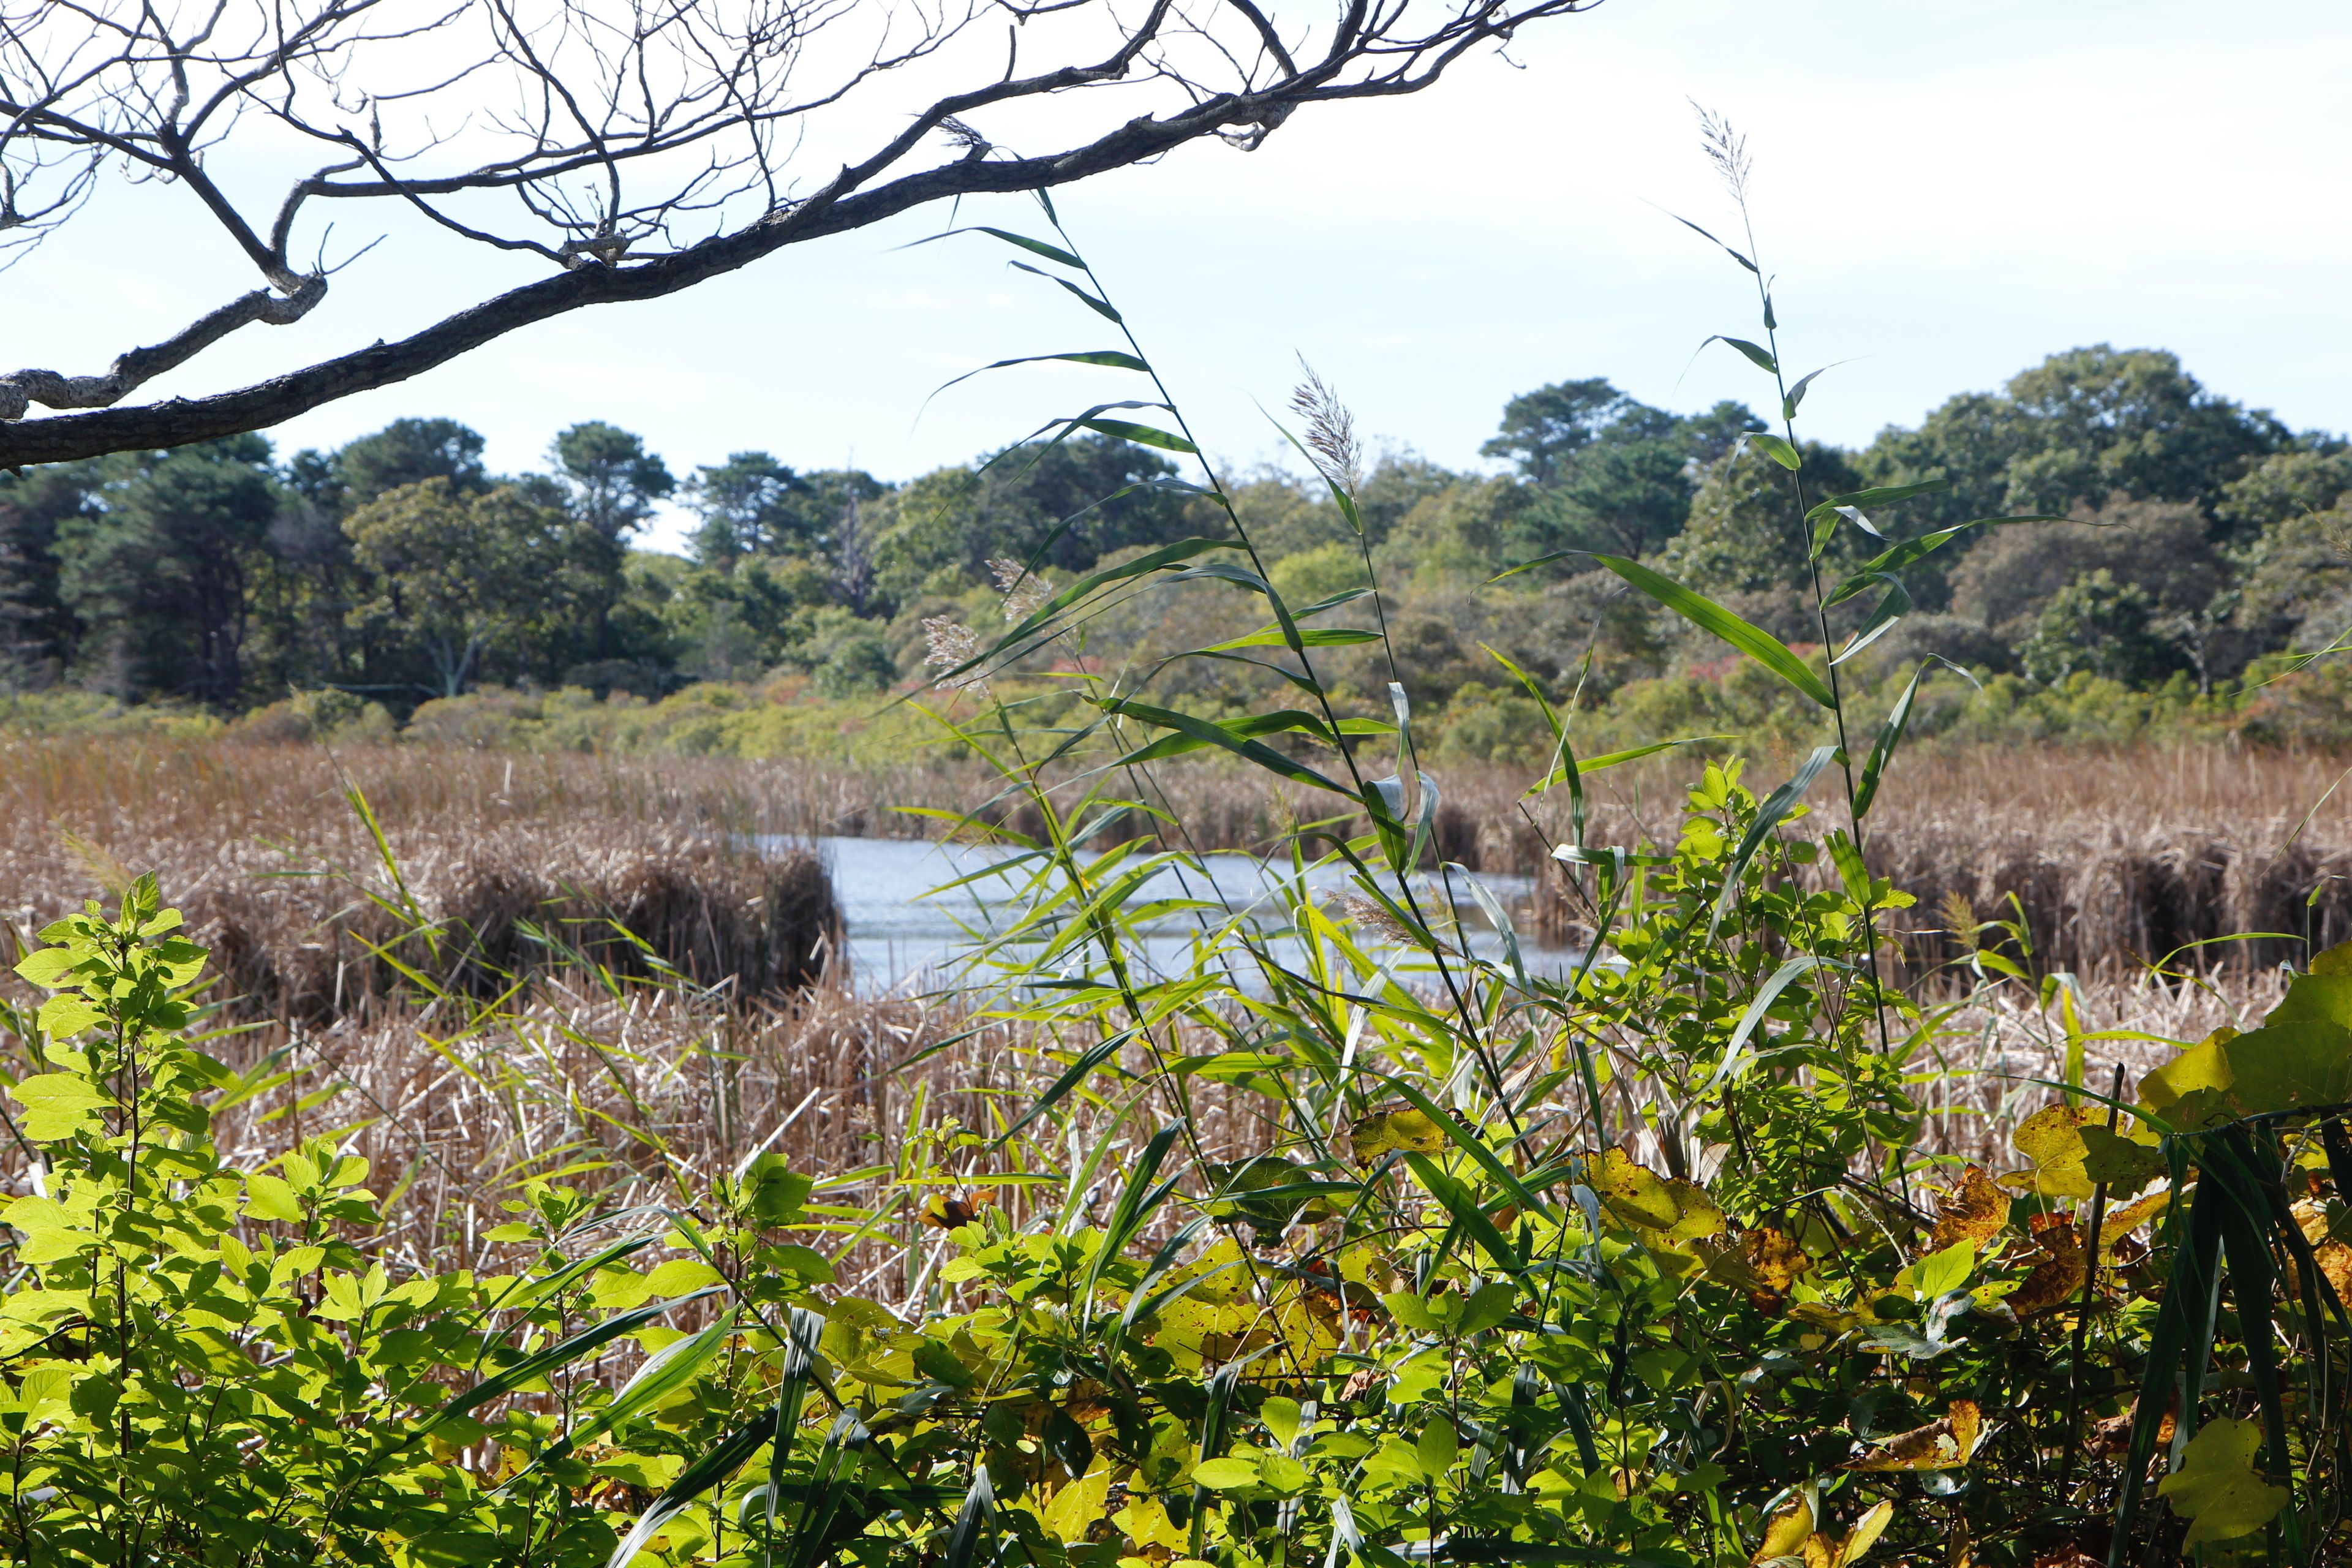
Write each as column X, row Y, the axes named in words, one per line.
column 1330, row 432
column 1726, row 149
column 949, row 644
column 1026, row 592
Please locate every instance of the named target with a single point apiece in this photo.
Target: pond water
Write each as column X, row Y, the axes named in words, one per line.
column 905, row 935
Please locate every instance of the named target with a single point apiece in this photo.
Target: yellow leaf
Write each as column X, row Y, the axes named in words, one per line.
column 1940, row 1446
column 1975, row 1212
column 1638, row 1198
column 1725, row 1259
column 1864, row 1534
column 1786, row 1534
column 2201, row 1070
column 1633, row 1195
column 2216, row 1486
column 2053, row 1140
column 1829, row 1319
column 1144, row 1521
column 2121, row 1223
column 1398, row 1127
column 2335, row 1260
column 1076, row 1507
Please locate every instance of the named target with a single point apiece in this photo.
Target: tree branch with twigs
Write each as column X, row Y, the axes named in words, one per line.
column 635, row 147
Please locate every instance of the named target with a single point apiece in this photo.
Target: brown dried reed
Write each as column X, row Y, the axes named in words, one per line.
column 512, row 863
column 2115, row 860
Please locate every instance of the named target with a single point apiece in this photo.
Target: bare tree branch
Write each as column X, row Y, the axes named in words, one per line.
column 641, row 146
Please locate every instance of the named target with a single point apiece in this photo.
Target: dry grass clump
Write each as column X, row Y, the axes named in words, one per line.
column 2113, row 859
column 2120, row 860
column 643, row 1094
column 510, row 866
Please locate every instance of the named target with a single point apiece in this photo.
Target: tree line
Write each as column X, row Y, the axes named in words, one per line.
column 398, row 567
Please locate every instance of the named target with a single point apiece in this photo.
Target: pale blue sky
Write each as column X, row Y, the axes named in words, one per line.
column 1948, row 193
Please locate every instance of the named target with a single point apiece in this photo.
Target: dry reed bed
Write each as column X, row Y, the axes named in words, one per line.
column 508, row 860
column 645, row 1096
column 2116, row 858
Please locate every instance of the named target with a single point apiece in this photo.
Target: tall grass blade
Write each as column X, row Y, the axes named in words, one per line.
column 1705, row 613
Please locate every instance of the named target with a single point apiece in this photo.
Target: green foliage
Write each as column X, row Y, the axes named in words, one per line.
column 615, row 480
column 2097, row 626
column 157, row 574
column 466, row 581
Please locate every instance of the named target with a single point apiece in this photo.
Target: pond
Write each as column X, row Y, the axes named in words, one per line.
column 905, row 936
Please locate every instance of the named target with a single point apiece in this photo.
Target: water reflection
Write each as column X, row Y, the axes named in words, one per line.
column 901, row 939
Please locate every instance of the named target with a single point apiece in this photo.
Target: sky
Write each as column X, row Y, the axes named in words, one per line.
column 1945, row 194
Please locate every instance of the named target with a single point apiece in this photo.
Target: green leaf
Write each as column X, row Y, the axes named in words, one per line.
column 1111, row 359
column 978, row 1512
column 2319, row 996
column 1777, row 449
column 1571, row 770
column 1797, row 393
column 2216, row 1486
column 1891, row 609
column 1486, row 1307
column 1910, row 550
column 665, row 1374
column 1135, row 1204
column 2290, row 1067
column 1776, row 807
column 1705, row 613
column 2119, row 1162
column 1438, row 1449
column 1080, row 1071
column 1711, row 239
column 1463, row 1204
column 1320, row 637
column 1034, row 247
column 1100, row 306
column 1759, row 355
column 1940, row 1273
column 1142, row 435
column 62, row 1017
column 1454, row 1133
column 1208, row 733
column 58, row 1104
column 1734, row 1054
column 48, row 967
column 269, row 1197
column 1228, row 1474
column 1414, row 1312
column 1286, row 721
column 1151, row 561
column 531, row 1368
column 1881, row 495
column 1890, row 735
column 717, row 1463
